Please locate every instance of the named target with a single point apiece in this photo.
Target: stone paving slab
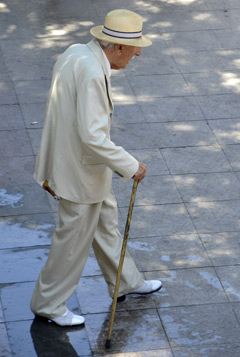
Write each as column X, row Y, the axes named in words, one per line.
column 171, row 109
column 161, row 44
column 24, row 49
column 188, row 287
column 164, row 191
column 19, row 262
column 33, row 115
column 208, row 187
column 4, row 344
column 217, row 4
column 228, row 38
column 14, row 143
column 229, row 279
column 29, row 70
column 32, row 91
column 222, row 19
column 213, row 83
column 133, row 136
column 202, row 325
column 194, row 41
column 145, row 333
column 188, row 22
column 172, row 85
column 19, row 294
column 202, row 159
column 159, row 220
column 11, row 117
column 163, row 135
column 13, row 296
column 74, row 8
column 236, row 309
column 169, row 252
column 218, row 216
column 210, row 351
column 153, row 159
column 232, row 154
column 151, row 64
column 227, row 131
column 17, row 170
column 119, row 4
column 1, row 314
column 35, row 137
column 13, row 29
column 128, row 112
column 181, row 134
column 190, row 62
column 3, row 68
column 121, row 89
column 26, row 230
column 162, row 352
column 24, row 199
column 37, row 337
column 219, row 106
column 222, row 248
column 90, row 295
column 8, row 95
column 16, row 50
column 91, row 268
column 238, row 174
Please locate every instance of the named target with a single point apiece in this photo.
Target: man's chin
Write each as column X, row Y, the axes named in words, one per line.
column 117, row 68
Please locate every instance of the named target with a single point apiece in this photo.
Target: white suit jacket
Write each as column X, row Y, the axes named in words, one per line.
column 76, row 155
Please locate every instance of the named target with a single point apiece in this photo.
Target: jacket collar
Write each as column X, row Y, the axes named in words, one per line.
column 94, row 46
column 96, row 49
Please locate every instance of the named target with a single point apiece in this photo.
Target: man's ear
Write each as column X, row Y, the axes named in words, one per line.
column 118, row 48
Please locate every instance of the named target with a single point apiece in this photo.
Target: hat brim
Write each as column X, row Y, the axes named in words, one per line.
column 139, row 42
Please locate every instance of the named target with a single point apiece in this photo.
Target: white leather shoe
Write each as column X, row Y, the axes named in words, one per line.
column 69, row 319
column 148, row 287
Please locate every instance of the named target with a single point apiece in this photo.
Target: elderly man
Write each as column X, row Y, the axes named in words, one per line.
column 77, row 158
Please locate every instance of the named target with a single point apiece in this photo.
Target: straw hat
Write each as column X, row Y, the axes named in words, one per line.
column 122, row 27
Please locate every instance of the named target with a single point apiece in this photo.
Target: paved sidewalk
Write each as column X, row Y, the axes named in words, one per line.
column 177, row 108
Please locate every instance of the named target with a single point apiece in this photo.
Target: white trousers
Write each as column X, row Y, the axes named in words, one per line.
column 80, row 227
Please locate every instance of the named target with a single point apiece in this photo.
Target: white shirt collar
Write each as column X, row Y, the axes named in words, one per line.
column 107, row 62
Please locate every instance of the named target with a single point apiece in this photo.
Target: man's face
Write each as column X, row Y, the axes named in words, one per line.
column 123, row 56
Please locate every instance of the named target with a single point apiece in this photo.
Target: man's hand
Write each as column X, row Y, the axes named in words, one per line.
column 141, row 172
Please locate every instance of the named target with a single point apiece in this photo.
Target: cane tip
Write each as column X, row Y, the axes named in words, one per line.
column 108, row 343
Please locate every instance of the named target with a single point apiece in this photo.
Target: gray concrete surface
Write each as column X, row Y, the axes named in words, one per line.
column 177, row 108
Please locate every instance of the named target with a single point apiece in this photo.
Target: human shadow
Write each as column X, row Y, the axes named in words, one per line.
column 52, row 340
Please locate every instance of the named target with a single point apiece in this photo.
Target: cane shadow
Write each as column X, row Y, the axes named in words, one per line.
column 119, row 340
column 52, row 340
column 128, row 332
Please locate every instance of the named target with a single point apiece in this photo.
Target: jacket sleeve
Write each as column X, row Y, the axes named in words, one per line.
column 94, row 128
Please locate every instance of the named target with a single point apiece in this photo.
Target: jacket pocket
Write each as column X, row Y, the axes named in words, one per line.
column 90, row 160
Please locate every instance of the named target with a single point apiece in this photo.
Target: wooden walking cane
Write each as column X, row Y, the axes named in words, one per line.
column 124, row 245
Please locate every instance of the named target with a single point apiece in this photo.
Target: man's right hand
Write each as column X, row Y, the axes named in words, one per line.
column 141, row 172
